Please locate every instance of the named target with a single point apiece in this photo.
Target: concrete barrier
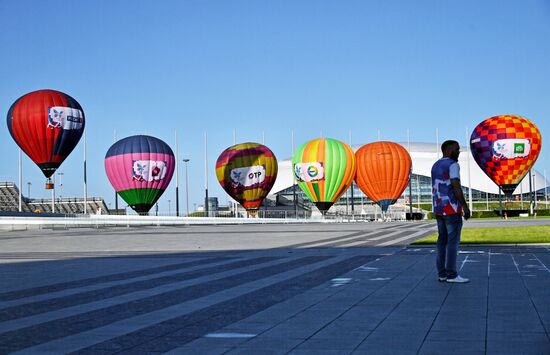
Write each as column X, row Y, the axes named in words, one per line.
column 102, row 221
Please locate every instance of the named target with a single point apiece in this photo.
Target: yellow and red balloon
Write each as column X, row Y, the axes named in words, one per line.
column 247, row 173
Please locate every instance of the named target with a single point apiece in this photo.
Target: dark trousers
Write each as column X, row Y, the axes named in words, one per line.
column 449, row 228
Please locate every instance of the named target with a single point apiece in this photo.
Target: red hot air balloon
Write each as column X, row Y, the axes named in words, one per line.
column 47, row 125
column 505, row 147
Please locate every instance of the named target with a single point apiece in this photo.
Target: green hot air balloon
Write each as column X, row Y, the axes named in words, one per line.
column 324, row 169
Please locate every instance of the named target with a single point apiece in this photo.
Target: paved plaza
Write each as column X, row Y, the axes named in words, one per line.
column 350, row 288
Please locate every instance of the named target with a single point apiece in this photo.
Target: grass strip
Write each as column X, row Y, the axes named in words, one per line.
column 502, row 235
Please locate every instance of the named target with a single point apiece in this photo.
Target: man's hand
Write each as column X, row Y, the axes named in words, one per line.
column 467, row 213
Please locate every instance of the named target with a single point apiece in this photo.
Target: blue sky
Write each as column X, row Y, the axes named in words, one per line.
column 155, row 67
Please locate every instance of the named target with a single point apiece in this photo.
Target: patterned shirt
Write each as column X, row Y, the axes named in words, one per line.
column 444, row 200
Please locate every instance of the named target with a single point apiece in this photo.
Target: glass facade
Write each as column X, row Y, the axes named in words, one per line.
column 421, row 187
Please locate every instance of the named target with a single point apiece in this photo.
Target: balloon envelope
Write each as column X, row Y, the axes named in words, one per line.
column 247, row 173
column 140, row 169
column 47, row 125
column 505, row 147
column 324, row 169
column 383, row 172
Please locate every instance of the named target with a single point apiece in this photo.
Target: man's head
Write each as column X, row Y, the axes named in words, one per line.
column 450, row 149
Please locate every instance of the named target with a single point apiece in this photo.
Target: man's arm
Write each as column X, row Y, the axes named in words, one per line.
column 455, row 183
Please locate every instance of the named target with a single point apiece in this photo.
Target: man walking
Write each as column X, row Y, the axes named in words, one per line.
column 448, row 204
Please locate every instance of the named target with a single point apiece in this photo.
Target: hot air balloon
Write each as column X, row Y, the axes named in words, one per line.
column 140, row 169
column 383, row 172
column 247, row 173
column 47, row 125
column 505, row 147
column 324, row 169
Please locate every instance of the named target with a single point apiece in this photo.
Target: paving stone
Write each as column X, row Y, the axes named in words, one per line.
column 409, row 312
column 452, row 347
column 517, row 343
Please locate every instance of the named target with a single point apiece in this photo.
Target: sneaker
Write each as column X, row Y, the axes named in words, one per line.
column 442, row 279
column 459, row 280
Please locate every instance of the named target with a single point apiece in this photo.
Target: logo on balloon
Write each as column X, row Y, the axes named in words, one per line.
column 148, row 170
column 511, row 148
column 313, row 171
column 64, row 117
column 248, row 176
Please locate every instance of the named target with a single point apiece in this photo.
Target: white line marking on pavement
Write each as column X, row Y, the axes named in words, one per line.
column 230, row 335
column 516, row 264
column 366, row 268
column 395, row 241
column 464, row 262
column 386, row 235
column 489, row 265
column 340, row 281
column 544, row 266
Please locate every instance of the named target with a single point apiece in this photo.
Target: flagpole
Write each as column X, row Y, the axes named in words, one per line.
column 469, row 172
column 545, row 189
column 116, row 194
column 206, row 211
column 177, row 176
column 437, row 143
column 293, row 176
column 20, row 180
column 530, row 193
column 352, row 200
column 53, row 193
column 410, row 176
column 85, row 178
column 234, row 203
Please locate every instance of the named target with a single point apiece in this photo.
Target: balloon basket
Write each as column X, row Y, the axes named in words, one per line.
column 49, row 185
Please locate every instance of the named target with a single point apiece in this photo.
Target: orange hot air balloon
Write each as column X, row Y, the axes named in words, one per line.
column 382, row 172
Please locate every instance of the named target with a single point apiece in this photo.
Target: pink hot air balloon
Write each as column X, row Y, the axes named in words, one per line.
column 140, row 169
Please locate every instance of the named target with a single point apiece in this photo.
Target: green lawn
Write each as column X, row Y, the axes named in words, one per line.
column 505, row 235
column 482, row 206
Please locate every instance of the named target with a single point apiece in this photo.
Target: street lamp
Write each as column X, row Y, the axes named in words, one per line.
column 29, row 189
column 186, row 161
column 169, row 211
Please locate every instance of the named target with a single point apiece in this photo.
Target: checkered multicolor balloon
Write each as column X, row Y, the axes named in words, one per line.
column 505, row 147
